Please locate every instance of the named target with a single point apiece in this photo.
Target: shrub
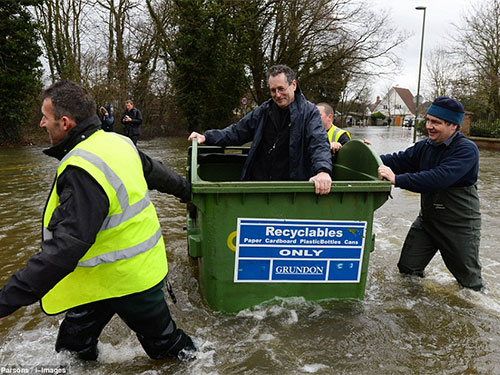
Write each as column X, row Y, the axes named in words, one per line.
column 488, row 129
column 377, row 115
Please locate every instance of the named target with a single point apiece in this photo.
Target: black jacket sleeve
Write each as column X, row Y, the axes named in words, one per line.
column 75, row 224
column 137, row 118
column 164, row 179
column 344, row 138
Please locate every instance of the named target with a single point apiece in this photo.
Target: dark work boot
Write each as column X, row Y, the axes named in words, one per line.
column 79, row 331
column 84, row 350
column 177, row 345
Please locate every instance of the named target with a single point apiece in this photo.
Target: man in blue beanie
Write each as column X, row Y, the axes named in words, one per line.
column 443, row 168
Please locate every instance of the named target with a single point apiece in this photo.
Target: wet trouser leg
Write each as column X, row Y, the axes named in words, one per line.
column 418, row 250
column 459, row 248
column 460, row 252
column 79, row 332
column 146, row 313
column 148, row 316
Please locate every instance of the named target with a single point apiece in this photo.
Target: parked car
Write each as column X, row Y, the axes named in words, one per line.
column 409, row 121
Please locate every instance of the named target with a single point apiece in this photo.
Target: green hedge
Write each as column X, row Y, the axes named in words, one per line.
column 488, row 129
column 377, row 115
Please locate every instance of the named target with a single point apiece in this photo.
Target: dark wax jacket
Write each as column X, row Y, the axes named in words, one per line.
column 428, row 167
column 132, row 127
column 309, row 149
column 84, row 206
column 271, row 158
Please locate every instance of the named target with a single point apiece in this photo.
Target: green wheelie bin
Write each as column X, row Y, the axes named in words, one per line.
column 256, row 240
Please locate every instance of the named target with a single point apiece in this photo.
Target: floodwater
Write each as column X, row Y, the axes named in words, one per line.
column 404, row 326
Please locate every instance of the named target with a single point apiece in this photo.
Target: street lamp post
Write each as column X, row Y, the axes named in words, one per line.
column 419, row 72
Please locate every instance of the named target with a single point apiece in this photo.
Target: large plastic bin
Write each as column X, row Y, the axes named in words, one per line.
column 258, row 240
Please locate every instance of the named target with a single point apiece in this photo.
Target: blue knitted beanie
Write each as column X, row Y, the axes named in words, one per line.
column 447, row 109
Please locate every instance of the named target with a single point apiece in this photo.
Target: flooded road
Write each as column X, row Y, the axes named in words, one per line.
column 404, row 325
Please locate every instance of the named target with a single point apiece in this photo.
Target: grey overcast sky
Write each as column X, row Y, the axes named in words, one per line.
column 440, row 14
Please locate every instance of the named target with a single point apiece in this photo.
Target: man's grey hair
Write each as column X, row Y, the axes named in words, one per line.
column 274, row 70
column 71, row 100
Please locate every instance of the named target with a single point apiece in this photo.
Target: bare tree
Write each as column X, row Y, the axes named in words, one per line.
column 128, row 48
column 62, row 24
column 330, row 43
column 440, row 70
column 478, row 48
column 118, row 13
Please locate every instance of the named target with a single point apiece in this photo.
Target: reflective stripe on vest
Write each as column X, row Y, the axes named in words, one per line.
column 128, row 211
column 128, row 255
column 124, row 253
column 334, row 133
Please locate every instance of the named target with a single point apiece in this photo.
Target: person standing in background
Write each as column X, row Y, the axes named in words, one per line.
column 107, row 118
column 132, row 120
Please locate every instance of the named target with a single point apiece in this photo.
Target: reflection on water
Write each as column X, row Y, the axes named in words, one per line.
column 404, row 325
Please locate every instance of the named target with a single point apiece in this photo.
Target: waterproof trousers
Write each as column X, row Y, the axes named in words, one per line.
column 450, row 222
column 146, row 313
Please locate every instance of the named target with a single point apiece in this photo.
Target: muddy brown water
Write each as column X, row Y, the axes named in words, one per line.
column 403, row 326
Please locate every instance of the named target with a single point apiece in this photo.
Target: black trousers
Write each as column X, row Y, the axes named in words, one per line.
column 134, row 138
column 146, row 313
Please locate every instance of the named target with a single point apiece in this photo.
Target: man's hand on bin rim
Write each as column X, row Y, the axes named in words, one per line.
column 387, row 173
column 322, row 183
column 335, row 146
column 200, row 137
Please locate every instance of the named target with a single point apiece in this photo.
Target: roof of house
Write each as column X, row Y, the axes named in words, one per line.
column 407, row 98
column 372, row 106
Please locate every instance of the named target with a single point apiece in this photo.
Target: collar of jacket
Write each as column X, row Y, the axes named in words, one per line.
column 299, row 96
column 80, row 132
column 449, row 141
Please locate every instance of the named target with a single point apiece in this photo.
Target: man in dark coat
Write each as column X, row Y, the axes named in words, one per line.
column 132, row 120
column 288, row 138
column 444, row 169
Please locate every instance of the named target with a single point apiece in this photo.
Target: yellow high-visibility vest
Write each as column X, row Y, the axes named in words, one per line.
column 128, row 255
column 335, row 133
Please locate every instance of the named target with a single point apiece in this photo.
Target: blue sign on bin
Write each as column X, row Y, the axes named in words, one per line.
column 282, row 250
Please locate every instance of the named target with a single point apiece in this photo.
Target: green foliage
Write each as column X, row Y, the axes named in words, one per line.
column 19, row 67
column 488, row 129
column 326, row 87
column 208, row 77
column 377, row 115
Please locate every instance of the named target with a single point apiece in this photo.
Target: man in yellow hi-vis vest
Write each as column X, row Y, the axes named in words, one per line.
column 336, row 136
column 102, row 250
